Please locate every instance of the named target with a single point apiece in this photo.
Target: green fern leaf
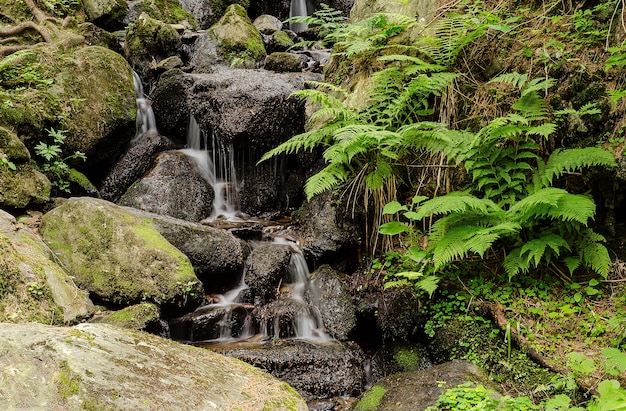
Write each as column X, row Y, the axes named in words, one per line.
column 535, row 250
column 575, row 159
column 328, row 178
column 455, row 203
column 593, row 253
column 573, row 207
column 514, row 263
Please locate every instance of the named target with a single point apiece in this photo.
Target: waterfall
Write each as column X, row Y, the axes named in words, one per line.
column 217, row 165
column 146, row 122
column 298, row 8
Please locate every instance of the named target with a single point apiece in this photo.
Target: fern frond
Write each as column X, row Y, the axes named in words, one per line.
column 515, row 79
column 455, row 203
column 514, row 263
column 328, row 178
column 593, row 253
column 537, row 204
column 573, row 207
column 575, row 159
column 535, row 250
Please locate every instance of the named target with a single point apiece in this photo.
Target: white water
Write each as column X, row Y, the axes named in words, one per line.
column 217, row 165
column 308, row 324
column 298, row 8
column 146, row 122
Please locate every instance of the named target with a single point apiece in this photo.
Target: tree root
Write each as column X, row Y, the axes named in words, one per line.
column 25, row 25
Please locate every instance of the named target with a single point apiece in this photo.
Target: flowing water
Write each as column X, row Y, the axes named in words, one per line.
column 298, row 8
column 217, row 165
column 146, row 122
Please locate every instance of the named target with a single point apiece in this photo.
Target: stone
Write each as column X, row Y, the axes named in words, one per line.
column 108, row 14
column 173, row 187
column 216, row 255
column 266, row 266
column 100, row 366
column 237, row 38
column 32, row 286
column 283, row 62
column 170, row 106
column 120, row 259
column 335, row 304
column 167, row 11
column 132, row 165
column 315, row 371
column 148, row 41
column 267, row 24
column 419, row 389
column 208, row 12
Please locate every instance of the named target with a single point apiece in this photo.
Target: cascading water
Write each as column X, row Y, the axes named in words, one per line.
column 298, row 8
column 146, row 122
column 217, row 165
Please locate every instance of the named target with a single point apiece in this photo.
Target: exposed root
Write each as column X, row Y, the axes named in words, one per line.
column 5, row 51
column 10, row 31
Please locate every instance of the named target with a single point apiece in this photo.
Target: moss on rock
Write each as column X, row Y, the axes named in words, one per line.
column 117, row 257
column 167, row 11
column 237, row 38
column 23, row 187
column 135, row 317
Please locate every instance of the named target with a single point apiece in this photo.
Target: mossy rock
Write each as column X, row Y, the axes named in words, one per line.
column 120, row 259
column 12, row 146
column 135, row 317
column 167, row 11
column 283, row 62
column 102, row 367
column 108, row 14
column 23, row 187
column 47, row 87
column 32, row 287
column 149, row 39
column 237, row 38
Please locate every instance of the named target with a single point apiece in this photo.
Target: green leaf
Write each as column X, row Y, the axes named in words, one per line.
column 393, row 228
column 417, row 254
column 615, row 362
column 580, row 363
column 393, row 207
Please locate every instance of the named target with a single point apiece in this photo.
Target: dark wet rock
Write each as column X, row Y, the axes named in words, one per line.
column 284, row 62
column 266, row 266
column 173, row 187
column 241, row 106
column 334, row 302
column 315, row 370
column 210, row 322
column 100, row 366
column 327, row 234
column 394, row 358
column 119, row 258
column 203, row 55
column 169, row 103
column 108, row 14
column 148, row 41
column 216, row 255
column 267, row 24
column 133, row 165
column 398, row 313
column 169, row 64
column 280, row 318
column 418, row 390
column 277, row 41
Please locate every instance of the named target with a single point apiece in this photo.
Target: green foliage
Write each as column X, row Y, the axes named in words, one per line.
column 5, row 162
column 35, row 289
column 511, row 202
column 325, row 21
column 55, row 165
column 469, row 396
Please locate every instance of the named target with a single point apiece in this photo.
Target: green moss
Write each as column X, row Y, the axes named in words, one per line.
column 147, row 36
column 168, row 11
column 68, row 382
column 237, row 38
column 407, row 359
column 282, row 38
column 23, row 187
column 12, row 146
column 134, row 317
column 371, row 399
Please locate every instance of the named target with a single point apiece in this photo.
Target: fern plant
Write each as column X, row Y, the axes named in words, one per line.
column 512, row 203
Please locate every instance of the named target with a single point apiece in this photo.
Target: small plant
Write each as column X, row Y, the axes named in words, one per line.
column 5, row 162
column 55, row 165
column 35, row 289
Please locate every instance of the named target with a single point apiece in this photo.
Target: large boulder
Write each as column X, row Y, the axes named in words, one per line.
column 173, row 187
column 216, row 255
column 420, row 389
column 132, row 165
column 119, row 258
column 32, row 286
column 96, row 366
column 167, row 11
column 169, row 102
column 238, row 39
column 315, row 371
column 73, row 89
